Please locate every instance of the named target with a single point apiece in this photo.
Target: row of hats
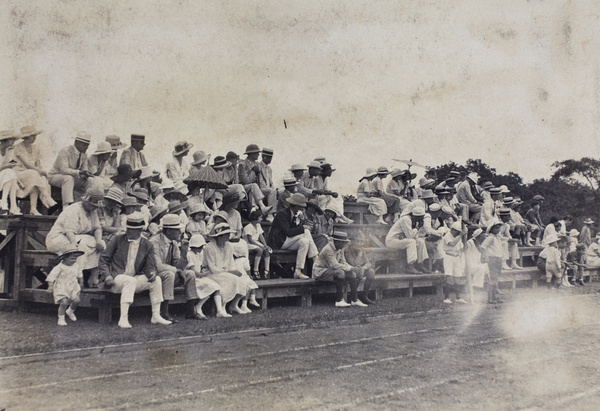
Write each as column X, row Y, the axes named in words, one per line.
column 395, row 173
column 26, row 131
column 221, row 162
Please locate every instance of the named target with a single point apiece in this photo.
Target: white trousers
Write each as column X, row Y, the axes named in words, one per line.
column 416, row 250
column 305, row 246
column 128, row 286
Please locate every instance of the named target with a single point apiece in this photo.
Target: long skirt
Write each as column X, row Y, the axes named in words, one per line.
column 377, row 206
column 31, row 179
column 231, row 285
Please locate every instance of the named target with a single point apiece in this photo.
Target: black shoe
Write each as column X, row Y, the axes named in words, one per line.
column 169, row 318
column 195, row 316
column 367, row 300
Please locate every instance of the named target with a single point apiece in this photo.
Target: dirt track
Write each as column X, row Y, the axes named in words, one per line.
column 535, row 351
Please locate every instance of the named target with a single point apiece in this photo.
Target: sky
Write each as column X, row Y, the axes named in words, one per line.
column 514, row 83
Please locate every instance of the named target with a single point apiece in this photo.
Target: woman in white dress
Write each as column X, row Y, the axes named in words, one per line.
column 9, row 183
column 29, row 170
column 366, row 193
column 221, row 267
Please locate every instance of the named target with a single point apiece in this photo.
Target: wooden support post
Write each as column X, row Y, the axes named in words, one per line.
column 263, row 302
column 105, row 312
column 410, row 289
column 378, row 294
column 20, row 278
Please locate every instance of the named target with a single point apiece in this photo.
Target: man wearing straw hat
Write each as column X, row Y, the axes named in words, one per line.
column 133, row 155
column 585, row 237
column 404, row 235
column 289, row 232
column 99, row 167
column 69, row 171
column 177, row 168
column 331, row 265
column 265, row 177
column 467, row 194
column 169, row 263
column 289, row 187
column 248, row 176
column 128, row 266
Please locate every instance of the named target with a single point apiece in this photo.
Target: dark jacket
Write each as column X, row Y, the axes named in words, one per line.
column 284, row 225
column 114, row 258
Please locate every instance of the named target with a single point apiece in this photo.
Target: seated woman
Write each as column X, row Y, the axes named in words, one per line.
column 9, row 183
column 98, row 165
column 30, row 172
column 220, row 266
column 366, row 193
column 79, row 224
column 110, row 218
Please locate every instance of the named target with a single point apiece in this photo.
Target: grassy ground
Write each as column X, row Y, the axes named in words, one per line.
column 36, row 331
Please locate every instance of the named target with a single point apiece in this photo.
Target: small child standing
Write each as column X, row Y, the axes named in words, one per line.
column 549, row 261
column 65, row 281
column 494, row 256
column 454, row 263
column 197, row 224
column 257, row 245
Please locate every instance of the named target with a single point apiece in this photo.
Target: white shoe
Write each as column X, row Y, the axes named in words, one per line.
column 358, row 303
column 254, row 303
column 238, row 310
column 246, row 310
column 516, row 267
column 342, row 304
column 71, row 314
column 447, row 301
column 462, row 301
column 15, row 211
column 35, row 212
column 270, row 218
column 159, row 320
column 124, row 323
column 61, row 320
column 224, row 315
column 506, row 267
column 299, row 276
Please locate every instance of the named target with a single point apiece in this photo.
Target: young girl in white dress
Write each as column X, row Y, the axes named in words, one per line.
column 65, row 281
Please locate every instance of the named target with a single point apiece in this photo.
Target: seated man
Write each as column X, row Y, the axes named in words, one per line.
column 357, row 257
column 69, row 171
column 468, row 195
column 534, row 223
column 133, row 155
column 127, row 266
column 289, row 232
column 265, row 177
column 169, row 263
column 289, row 188
column 249, row 175
column 404, row 235
column 331, row 265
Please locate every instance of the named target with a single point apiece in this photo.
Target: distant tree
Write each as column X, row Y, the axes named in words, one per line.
column 588, row 168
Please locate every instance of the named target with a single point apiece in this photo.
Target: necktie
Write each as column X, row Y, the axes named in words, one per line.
column 78, row 161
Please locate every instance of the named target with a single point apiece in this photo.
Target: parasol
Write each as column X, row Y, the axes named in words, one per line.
column 410, row 163
column 206, row 177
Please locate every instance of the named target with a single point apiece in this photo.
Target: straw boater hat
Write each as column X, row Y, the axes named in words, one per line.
column 135, row 221
column 435, row 207
column 267, row 152
column 83, row 137
column 220, row 229
column 171, row 221
column 340, row 236
column 167, row 184
column 495, row 190
column 252, row 148
column 6, row 134
column 297, row 199
column 573, row 233
column 487, row 185
column 505, row 189
column 508, row 201
column 197, row 241
column 369, row 173
column 138, row 137
column 418, row 212
column 71, row 250
column 28, row 131
column 182, row 147
column 220, row 162
column 102, row 148
column 504, row 211
column 320, row 159
column 454, row 174
column 115, row 194
column 588, row 221
column 425, row 194
column 298, row 167
column 115, row 142
column 290, row 181
column 199, row 158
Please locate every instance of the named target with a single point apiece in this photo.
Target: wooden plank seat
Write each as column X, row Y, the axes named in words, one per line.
column 356, row 211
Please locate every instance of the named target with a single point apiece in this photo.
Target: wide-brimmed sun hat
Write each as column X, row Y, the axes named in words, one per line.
column 197, row 241
column 314, row 164
column 102, row 148
column 220, row 229
column 427, row 194
column 171, row 221
column 115, row 194
column 297, row 167
column 297, row 199
column 199, row 208
column 182, row 147
column 176, row 206
column 7, row 134
column 28, row 131
column 588, row 221
column 115, row 142
column 220, row 162
column 94, row 196
column 199, row 158
column 370, row 172
column 157, row 212
column 551, row 238
column 383, row 170
column 473, row 177
column 129, row 201
column 418, row 212
column 487, row 185
column 574, row 232
column 72, row 250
